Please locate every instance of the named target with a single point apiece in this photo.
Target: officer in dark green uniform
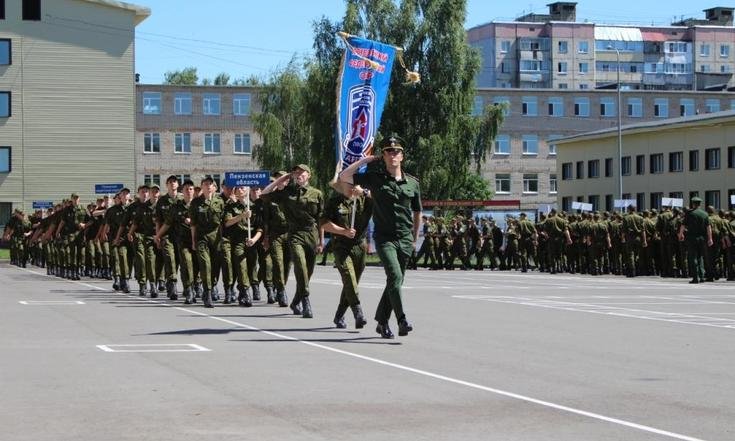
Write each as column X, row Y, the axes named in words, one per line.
column 397, row 216
column 698, row 237
column 167, row 242
column 349, row 247
column 302, row 206
column 206, row 214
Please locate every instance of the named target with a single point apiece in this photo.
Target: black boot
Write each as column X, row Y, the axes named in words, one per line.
column 75, row 274
column 171, row 289
column 142, row 289
column 339, row 317
column 256, row 292
column 228, row 300
column 215, row 294
column 360, row 321
column 188, row 295
column 207, row 299
column 116, row 284
column 282, row 298
column 269, row 295
column 306, row 307
column 296, row 305
column 198, row 292
column 161, row 286
column 244, row 297
column 154, row 292
column 125, row 286
column 384, row 330
column 404, row 327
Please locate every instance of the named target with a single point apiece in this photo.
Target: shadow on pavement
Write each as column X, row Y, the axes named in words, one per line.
column 359, row 340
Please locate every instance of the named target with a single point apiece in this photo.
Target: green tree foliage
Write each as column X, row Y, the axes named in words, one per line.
column 222, row 79
column 184, row 77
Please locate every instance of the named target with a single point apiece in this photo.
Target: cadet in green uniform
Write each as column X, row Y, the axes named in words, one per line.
column 264, row 264
column 349, row 247
column 557, row 230
column 71, row 225
column 698, row 237
column 245, row 231
column 527, row 241
column 397, row 215
column 276, row 241
column 167, row 242
column 228, row 273
column 206, row 214
column 158, row 269
column 302, row 206
column 634, row 232
column 427, row 246
column 142, row 230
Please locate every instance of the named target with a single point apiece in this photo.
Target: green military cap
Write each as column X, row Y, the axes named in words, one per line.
column 155, row 187
column 654, row 211
column 696, row 200
column 394, row 142
column 303, row 167
column 74, row 196
column 523, row 214
column 172, row 178
column 207, row 178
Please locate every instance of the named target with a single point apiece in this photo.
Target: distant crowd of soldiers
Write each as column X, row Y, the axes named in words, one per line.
column 632, row 244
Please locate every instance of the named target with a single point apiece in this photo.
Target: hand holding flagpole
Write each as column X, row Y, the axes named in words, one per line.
column 247, row 198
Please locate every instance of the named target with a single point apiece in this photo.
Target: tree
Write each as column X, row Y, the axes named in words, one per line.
column 206, row 82
column 222, row 79
column 184, row 77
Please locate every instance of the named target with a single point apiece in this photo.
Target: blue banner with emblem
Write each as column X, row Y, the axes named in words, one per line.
column 362, row 88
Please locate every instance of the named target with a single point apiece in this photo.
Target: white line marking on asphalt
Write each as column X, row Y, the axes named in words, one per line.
column 159, row 347
column 50, row 302
column 516, row 396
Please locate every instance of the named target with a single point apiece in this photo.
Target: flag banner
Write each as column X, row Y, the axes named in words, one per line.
column 362, row 89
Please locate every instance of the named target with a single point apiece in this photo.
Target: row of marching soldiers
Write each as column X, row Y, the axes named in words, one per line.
column 669, row 243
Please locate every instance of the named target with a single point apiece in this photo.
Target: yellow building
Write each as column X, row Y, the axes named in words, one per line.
column 672, row 158
column 67, row 98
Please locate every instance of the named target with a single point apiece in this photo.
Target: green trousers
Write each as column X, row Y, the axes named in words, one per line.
column 265, row 266
column 350, row 263
column 189, row 264
column 394, row 257
column 170, row 262
column 208, row 255
column 303, row 253
column 145, row 257
column 229, row 274
column 245, row 263
column 280, row 259
column 696, row 251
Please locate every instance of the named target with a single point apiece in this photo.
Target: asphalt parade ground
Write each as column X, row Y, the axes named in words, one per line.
column 493, row 356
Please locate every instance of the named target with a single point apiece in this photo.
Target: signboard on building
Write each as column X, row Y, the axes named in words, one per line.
column 581, row 206
column 247, row 178
column 42, row 205
column 107, row 188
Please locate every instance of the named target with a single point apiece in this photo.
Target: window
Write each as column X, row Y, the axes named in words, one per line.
column 676, row 162
column 530, row 183
column 730, row 196
column 184, row 177
column 556, row 106
column 704, row 50
column 583, row 47
column 566, row 203
column 32, row 10
column 656, row 163
column 609, row 202
column 152, row 103
column 241, row 104
column 504, row 67
column 712, row 159
column 693, row 160
column 595, row 201
column 529, row 106
column 661, row 107
column 593, row 168
column 211, row 143
column 5, row 52
column 608, row 167
column 712, row 197
column 552, row 145
column 211, row 104
column 182, row 143
column 563, row 86
column 581, row 106
column 635, row 107
column 656, row 200
column 724, row 68
column 182, row 103
column 731, row 157
column 242, row 144
column 566, row 171
column 724, row 50
column 5, row 105
column 505, row 46
column 640, row 164
column 152, row 143
column 640, row 201
column 502, row 145
column 534, row 65
column 530, row 144
column 561, row 67
column 584, row 68
column 580, row 169
column 676, row 194
column 477, row 105
column 679, row 47
column 686, row 107
column 152, row 180
column 704, row 68
column 5, row 160
column 626, row 166
column 711, row 105
column 2, row 17
column 502, row 183
column 553, row 188
column 563, row 46
column 607, row 107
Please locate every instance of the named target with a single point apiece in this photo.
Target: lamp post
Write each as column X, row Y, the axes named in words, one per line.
column 620, row 126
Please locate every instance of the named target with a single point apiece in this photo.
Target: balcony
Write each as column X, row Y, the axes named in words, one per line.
column 660, row 79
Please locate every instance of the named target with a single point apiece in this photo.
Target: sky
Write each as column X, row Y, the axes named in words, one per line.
column 255, row 37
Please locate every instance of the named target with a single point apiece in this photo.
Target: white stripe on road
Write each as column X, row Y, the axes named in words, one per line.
column 548, row 404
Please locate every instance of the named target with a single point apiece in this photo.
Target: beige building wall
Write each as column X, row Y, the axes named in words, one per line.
column 72, row 84
column 711, row 176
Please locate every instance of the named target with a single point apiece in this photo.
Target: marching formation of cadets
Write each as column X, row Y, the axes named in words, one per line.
column 669, row 243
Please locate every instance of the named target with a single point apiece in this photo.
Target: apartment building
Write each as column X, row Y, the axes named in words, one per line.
column 554, row 51
column 193, row 131
column 67, row 98
column 523, row 164
column 678, row 158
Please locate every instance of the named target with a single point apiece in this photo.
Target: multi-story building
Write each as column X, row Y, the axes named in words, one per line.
column 67, row 98
column 193, row 131
column 671, row 158
column 554, row 51
column 523, row 163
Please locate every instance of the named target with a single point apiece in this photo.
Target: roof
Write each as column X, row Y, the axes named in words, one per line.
column 652, row 126
column 618, row 33
column 141, row 12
